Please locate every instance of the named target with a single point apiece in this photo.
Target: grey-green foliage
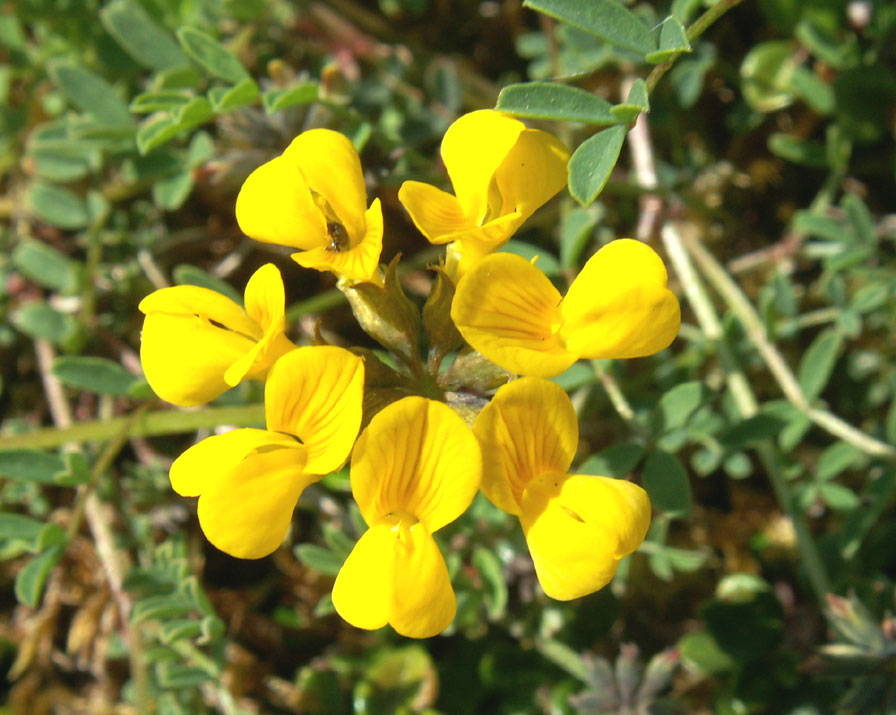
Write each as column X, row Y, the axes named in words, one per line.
column 809, row 110
column 190, row 79
column 183, row 638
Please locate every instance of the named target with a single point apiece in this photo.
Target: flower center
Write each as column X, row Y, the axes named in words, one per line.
column 338, row 239
column 400, row 523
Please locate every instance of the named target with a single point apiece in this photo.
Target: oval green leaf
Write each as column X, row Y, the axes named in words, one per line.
column 667, row 483
column 673, row 41
column 550, row 100
column 56, row 205
column 31, row 578
column 592, row 163
column 211, row 55
column 94, row 374
column 818, row 363
column 606, row 19
column 276, row 99
column 91, row 93
column 46, row 266
column 30, row 465
column 141, row 38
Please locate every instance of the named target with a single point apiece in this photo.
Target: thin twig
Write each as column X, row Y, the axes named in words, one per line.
column 614, row 392
column 708, row 320
column 651, row 204
column 60, row 410
column 152, row 271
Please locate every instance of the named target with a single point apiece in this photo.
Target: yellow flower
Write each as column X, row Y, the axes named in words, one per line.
column 415, row 468
column 501, row 173
column 197, row 343
column 249, row 480
column 617, row 307
column 577, row 527
column 312, row 197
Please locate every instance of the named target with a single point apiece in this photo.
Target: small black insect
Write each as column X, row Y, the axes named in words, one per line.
column 338, row 237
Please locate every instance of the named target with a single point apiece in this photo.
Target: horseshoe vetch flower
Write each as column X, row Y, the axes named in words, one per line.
column 415, row 468
column 617, row 307
column 197, row 343
column 249, row 480
column 577, row 527
column 501, row 173
column 312, row 197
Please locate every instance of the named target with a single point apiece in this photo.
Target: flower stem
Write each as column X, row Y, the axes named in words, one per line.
column 700, row 25
column 151, row 424
column 332, row 298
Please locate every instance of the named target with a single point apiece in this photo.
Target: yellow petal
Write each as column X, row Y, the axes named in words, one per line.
column 275, row 205
column 315, row 393
column 439, row 217
column 265, row 298
column 202, row 465
column 416, row 456
column 361, row 594
column 579, row 527
column 532, row 172
column 491, row 235
column 331, row 167
column 265, row 304
column 528, row 428
column 473, row 149
column 360, row 262
column 185, row 357
column 471, row 246
column 507, row 309
column 207, row 304
column 246, row 512
column 256, row 363
column 619, row 306
column 396, row 575
column 437, row 214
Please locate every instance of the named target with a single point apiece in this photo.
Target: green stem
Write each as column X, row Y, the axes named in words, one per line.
column 821, row 316
column 94, row 255
column 151, row 424
column 328, row 300
column 700, row 25
column 138, row 670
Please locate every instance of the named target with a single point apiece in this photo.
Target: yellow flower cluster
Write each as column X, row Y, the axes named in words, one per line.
column 417, row 465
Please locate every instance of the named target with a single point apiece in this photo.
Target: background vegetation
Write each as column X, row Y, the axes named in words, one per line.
column 765, row 174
